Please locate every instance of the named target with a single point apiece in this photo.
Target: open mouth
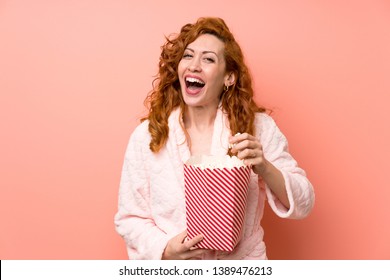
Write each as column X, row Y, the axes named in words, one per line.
column 194, row 83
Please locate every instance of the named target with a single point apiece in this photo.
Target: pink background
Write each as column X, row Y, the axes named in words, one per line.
column 73, row 77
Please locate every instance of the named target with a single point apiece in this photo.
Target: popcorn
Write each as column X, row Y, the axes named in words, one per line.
column 231, row 146
column 212, row 162
column 216, row 189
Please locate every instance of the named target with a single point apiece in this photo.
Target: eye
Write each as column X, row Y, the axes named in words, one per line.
column 209, row 59
column 187, row 55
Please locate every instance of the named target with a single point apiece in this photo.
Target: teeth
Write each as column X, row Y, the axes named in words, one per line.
column 194, row 80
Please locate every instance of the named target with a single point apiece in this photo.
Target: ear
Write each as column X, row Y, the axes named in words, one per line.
column 230, row 79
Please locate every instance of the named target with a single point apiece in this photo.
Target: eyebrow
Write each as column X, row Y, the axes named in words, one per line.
column 204, row 52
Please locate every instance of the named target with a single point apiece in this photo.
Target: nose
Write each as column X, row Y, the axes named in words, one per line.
column 194, row 66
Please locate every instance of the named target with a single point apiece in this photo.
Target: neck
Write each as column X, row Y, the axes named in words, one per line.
column 199, row 118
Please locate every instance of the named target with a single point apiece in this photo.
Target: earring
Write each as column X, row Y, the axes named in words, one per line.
column 225, row 88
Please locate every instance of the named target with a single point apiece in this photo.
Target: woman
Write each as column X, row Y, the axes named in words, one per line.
column 201, row 98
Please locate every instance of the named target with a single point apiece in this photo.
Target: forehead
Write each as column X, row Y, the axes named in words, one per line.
column 207, row 42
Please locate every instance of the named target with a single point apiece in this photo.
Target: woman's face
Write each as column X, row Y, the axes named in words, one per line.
column 202, row 71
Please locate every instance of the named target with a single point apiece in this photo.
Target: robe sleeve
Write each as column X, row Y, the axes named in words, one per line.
column 133, row 221
column 299, row 189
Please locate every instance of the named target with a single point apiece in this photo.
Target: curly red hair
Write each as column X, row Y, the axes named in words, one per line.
column 237, row 102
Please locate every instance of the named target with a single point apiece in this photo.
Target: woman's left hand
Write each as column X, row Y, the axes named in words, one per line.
column 249, row 149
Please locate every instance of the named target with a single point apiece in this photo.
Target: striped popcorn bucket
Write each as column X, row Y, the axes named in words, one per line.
column 215, row 204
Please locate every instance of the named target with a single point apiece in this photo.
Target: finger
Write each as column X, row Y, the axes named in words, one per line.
column 240, row 137
column 252, row 162
column 192, row 242
column 239, row 146
column 194, row 253
column 233, row 140
column 182, row 236
column 249, row 154
column 246, row 144
column 193, row 248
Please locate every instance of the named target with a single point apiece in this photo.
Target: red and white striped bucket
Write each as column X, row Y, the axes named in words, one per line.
column 215, row 204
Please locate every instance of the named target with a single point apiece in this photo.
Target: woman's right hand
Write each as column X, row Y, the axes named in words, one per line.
column 179, row 248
